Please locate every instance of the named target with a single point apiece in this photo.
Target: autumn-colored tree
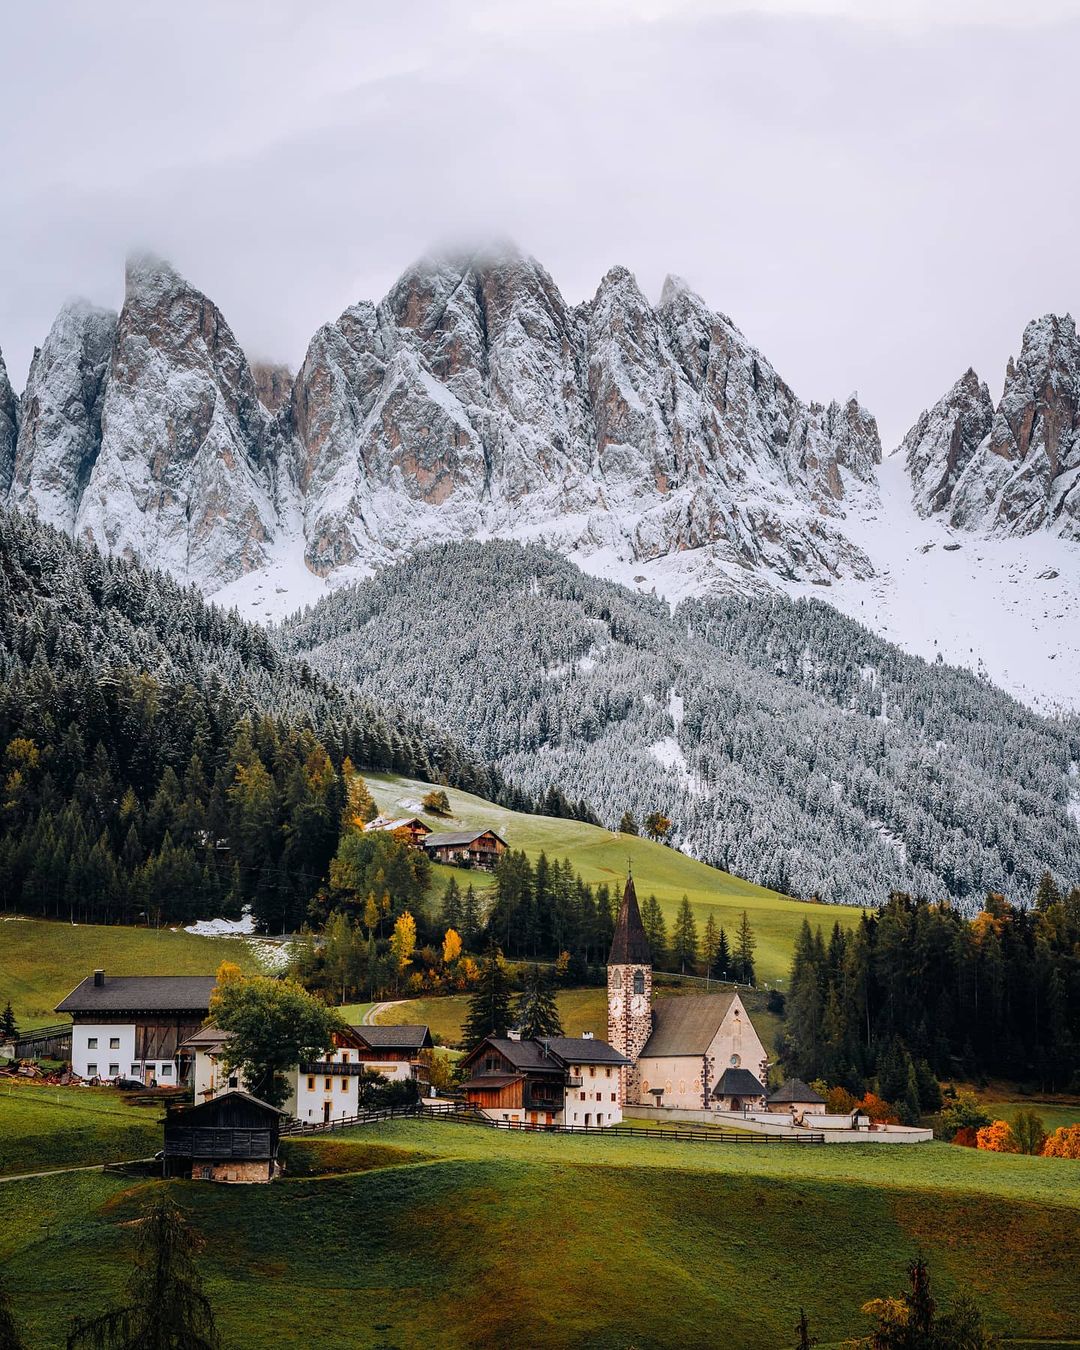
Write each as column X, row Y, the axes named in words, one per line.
column 451, row 947
column 997, row 1137
column 879, row 1110
column 657, row 825
column 839, row 1101
column 359, row 803
column 436, row 802
column 1063, row 1143
column 966, row 1136
column 403, row 942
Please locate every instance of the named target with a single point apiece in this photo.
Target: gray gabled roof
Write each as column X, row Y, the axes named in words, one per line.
column 686, row 1024
column 583, row 1050
column 213, row 1104
column 738, row 1083
column 798, row 1092
column 206, row 1038
column 141, row 993
column 405, row 1037
column 521, row 1054
column 443, row 838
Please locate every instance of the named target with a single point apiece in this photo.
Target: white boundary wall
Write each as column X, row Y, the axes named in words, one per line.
column 761, row 1124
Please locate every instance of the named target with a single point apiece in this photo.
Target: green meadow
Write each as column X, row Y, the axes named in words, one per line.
column 41, row 961
column 424, row 1232
column 598, row 855
column 43, row 1127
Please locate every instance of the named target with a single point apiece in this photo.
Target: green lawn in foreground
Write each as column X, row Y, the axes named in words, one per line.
column 43, row 1127
column 463, row 1237
column 600, row 856
column 41, row 961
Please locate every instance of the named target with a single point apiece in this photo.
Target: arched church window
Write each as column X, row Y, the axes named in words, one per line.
column 736, row 1061
column 616, row 978
column 639, row 981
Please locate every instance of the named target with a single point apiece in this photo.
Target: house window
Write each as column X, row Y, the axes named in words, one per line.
column 329, row 1084
column 311, row 1084
column 134, row 1071
column 614, row 1095
column 344, row 1085
column 639, row 981
column 91, row 1042
column 114, row 1070
column 582, row 1096
column 114, row 1042
column 234, row 1082
column 607, row 1073
column 599, row 1096
column 344, row 1056
column 166, row 1071
column 91, row 1071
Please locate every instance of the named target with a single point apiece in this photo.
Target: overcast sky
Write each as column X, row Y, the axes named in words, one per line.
column 879, row 192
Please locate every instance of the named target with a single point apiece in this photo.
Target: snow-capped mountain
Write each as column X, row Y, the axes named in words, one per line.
column 651, row 443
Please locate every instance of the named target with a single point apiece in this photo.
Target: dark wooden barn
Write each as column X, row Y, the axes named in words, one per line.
column 233, row 1137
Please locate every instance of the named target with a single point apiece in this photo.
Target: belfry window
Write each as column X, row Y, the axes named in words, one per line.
column 639, row 981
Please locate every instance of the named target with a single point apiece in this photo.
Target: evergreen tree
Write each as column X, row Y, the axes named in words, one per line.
column 165, row 1308
column 451, row 912
column 1048, row 893
column 628, row 823
column 722, row 965
column 652, row 920
column 472, row 924
column 710, row 943
column 684, row 938
column 536, row 1013
column 489, row 1003
column 9, row 1029
column 745, row 946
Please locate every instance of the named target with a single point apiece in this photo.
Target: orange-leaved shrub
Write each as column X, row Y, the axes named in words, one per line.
column 879, row 1110
column 966, row 1136
column 1063, row 1143
column 997, row 1137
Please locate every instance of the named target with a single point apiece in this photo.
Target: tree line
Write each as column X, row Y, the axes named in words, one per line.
column 918, row 992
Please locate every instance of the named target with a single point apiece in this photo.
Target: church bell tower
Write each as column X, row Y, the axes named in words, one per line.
column 629, row 988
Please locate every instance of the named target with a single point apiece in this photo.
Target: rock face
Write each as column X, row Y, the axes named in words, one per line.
column 9, row 427
column 183, row 477
column 942, row 443
column 472, row 400
column 1015, row 469
column 60, row 435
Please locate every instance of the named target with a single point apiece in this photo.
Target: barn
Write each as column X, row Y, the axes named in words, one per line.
column 468, row 848
column 231, row 1138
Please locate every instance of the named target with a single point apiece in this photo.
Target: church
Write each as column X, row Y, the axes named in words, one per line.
column 695, row 1051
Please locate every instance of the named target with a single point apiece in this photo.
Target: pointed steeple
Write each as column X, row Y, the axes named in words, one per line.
column 629, row 946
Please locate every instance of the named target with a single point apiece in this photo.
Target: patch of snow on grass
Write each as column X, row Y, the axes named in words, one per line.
column 241, row 927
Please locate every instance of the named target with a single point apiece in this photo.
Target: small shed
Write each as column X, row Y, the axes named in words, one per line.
column 795, row 1095
column 469, row 848
column 738, row 1089
column 231, row 1138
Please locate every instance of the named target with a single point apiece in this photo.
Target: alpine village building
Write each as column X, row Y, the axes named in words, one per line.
column 693, row 1051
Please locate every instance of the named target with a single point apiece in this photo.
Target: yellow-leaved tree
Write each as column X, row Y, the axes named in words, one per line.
column 402, row 944
column 1063, row 1143
column 451, row 947
column 997, row 1137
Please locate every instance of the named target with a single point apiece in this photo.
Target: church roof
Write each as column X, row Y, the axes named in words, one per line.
column 738, row 1083
column 629, row 946
column 795, row 1090
column 686, row 1024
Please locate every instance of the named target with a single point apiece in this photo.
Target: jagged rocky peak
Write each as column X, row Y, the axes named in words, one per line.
column 273, row 384
column 1016, row 468
column 182, row 478
column 9, row 427
column 943, row 441
column 60, row 432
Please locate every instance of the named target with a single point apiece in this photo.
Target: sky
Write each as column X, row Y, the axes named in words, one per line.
column 880, row 193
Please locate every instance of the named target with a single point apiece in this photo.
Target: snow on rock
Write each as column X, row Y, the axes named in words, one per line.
column 9, row 427
column 942, row 443
column 60, row 432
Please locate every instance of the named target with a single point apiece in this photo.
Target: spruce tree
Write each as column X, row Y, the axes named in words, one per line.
column 710, row 943
column 489, row 1004
column 166, row 1308
column 722, row 963
column 652, row 920
column 9, row 1029
column 745, row 944
column 684, row 939
column 451, row 913
column 536, row 1013
column 628, row 824
column 471, row 919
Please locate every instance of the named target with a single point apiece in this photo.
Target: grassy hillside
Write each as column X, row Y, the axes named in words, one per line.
column 601, row 856
column 434, row 1233
column 43, row 1127
column 42, row 961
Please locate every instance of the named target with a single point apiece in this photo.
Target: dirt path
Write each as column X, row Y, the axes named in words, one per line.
column 54, row 1172
column 371, row 1017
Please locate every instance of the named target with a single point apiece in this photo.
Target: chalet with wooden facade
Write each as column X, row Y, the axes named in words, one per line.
column 409, row 828
column 231, row 1138
column 134, row 1026
column 321, row 1089
column 466, row 848
column 561, row 1080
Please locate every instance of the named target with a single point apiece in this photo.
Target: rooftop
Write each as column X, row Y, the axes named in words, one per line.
column 738, row 1083
column 583, row 1050
column 629, row 945
column 796, row 1091
column 409, row 1036
column 442, row 838
column 140, row 993
column 686, row 1024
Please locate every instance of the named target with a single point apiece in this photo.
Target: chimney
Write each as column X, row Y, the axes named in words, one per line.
column 99, row 978
column 587, row 1036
